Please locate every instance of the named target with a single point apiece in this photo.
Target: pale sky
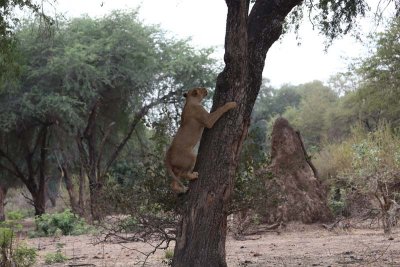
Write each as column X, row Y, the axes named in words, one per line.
column 204, row 21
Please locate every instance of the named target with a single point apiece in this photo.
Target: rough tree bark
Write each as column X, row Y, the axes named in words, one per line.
column 3, row 193
column 202, row 231
column 75, row 207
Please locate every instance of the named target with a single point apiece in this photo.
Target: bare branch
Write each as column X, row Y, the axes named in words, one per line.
column 137, row 118
column 17, row 171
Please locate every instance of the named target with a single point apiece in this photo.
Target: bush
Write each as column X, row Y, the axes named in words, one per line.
column 128, row 224
column 65, row 223
column 21, row 255
column 57, row 257
column 24, row 256
column 6, row 236
column 15, row 215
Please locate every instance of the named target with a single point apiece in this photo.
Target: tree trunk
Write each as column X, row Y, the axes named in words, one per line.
column 202, row 232
column 95, row 200
column 387, row 223
column 3, row 194
column 81, row 199
column 71, row 192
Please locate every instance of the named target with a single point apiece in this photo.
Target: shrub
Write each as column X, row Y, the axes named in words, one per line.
column 56, row 257
column 128, row 224
column 24, row 256
column 169, row 254
column 65, row 223
column 15, row 215
column 6, row 236
column 21, row 255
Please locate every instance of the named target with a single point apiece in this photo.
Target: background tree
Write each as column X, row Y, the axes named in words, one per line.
column 84, row 92
column 309, row 117
column 376, row 97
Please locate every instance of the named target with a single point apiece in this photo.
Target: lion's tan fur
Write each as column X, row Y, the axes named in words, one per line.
column 180, row 158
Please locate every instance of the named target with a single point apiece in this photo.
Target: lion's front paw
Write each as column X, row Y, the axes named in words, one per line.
column 231, row 105
column 194, row 176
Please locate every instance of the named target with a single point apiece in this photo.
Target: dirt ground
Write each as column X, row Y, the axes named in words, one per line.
column 298, row 245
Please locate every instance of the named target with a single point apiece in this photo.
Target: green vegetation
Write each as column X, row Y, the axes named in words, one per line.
column 100, row 85
column 56, row 257
column 368, row 162
column 94, row 104
column 13, row 253
column 63, row 223
column 24, row 256
column 15, row 215
column 169, row 254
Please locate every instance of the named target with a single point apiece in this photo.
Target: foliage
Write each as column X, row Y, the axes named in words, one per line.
column 366, row 162
column 169, row 254
column 6, row 236
column 9, row 21
column 65, row 223
column 310, row 116
column 55, row 257
column 249, row 190
column 14, row 225
column 12, row 253
column 337, row 201
column 15, row 215
column 379, row 90
column 271, row 102
column 375, row 159
column 89, row 84
column 24, row 256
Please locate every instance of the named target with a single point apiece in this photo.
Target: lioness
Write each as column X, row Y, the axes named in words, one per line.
column 180, row 159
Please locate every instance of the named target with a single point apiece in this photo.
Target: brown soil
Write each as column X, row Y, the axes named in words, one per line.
column 298, row 245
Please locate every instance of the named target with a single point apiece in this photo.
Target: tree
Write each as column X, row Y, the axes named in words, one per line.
column 378, row 91
column 249, row 35
column 309, row 117
column 91, row 84
column 8, row 24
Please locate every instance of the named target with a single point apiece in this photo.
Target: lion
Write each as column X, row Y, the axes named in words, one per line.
column 180, row 158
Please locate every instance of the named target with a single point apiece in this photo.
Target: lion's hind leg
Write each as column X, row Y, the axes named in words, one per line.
column 178, row 187
column 190, row 175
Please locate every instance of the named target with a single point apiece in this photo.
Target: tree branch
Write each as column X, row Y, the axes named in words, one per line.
column 137, row 118
column 17, row 171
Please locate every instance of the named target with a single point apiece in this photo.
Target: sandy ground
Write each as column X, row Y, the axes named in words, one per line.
column 298, row 245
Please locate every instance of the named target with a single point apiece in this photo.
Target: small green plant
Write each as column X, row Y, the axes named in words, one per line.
column 6, row 238
column 64, row 223
column 129, row 224
column 55, row 257
column 169, row 254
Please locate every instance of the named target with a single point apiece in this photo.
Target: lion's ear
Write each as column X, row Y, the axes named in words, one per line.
column 185, row 94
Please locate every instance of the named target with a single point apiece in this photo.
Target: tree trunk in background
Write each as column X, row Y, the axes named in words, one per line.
column 81, row 199
column 37, row 187
column 71, row 192
column 202, row 232
column 3, row 194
